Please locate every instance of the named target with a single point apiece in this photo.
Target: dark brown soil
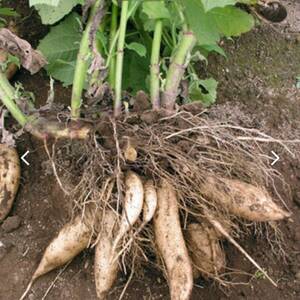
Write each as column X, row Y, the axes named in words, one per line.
column 257, row 84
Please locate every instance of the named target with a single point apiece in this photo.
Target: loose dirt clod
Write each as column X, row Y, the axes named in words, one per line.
column 10, row 173
column 171, row 245
column 11, row 224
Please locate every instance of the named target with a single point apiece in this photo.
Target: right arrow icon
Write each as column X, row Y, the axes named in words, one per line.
column 276, row 158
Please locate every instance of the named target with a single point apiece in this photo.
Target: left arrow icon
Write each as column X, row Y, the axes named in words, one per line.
column 23, row 158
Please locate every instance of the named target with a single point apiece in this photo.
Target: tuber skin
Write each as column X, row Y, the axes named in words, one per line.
column 170, row 243
column 242, row 199
column 44, row 129
column 205, row 251
column 133, row 205
column 150, row 201
column 105, row 269
column 73, row 238
column 10, row 173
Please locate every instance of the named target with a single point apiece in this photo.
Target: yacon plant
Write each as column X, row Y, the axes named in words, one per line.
column 149, row 175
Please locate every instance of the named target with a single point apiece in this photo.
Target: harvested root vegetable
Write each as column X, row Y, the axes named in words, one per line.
column 106, row 270
column 242, row 199
column 10, row 173
column 73, row 238
column 149, row 208
column 170, row 243
column 133, row 204
column 204, row 248
column 150, row 201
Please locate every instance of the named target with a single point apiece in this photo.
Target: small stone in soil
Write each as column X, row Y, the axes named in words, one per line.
column 297, row 275
column 11, row 224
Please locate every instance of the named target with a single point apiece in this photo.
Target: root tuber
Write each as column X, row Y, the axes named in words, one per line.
column 242, row 199
column 106, row 270
column 204, row 248
column 10, row 173
column 171, row 245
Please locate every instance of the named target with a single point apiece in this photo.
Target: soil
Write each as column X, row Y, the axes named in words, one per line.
column 257, row 84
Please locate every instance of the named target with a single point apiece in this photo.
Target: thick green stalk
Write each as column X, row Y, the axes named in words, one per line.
column 113, row 32
column 154, row 68
column 177, row 68
column 6, row 96
column 82, row 65
column 120, row 58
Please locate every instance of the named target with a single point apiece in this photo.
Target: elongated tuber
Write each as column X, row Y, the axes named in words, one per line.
column 242, row 199
column 204, row 248
column 171, row 245
column 10, row 173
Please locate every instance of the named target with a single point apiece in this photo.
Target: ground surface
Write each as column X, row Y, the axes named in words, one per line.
column 257, row 81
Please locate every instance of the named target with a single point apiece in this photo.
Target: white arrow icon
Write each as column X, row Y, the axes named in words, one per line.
column 276, row 158
column 23, row 158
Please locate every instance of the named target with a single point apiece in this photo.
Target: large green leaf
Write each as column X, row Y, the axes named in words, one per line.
column 155, row 10
column 201, row 23
column 231, row 21
column 210, row 26
column 48, row 2
column 210, row 4
column 60, row 47
column 52, row 14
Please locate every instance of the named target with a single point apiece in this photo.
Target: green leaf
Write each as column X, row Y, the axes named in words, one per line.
column 210, row 4
column 232, row 21
column 14, row 60
column 140, row 49
column 210, row 26
column 204, row 91
column 47, row 2
column 62, row 70
column 136, row 70
column 201, row 23
column 52, row 14
column 155, row 10
column 60, row 47
column 6, row 11
column 205, row 49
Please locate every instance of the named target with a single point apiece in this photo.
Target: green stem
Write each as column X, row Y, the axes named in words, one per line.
column 7, row 98
column 120, row 58
column 82, row 65
column 113, row 32
column 154, row 69
column 177, row 68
